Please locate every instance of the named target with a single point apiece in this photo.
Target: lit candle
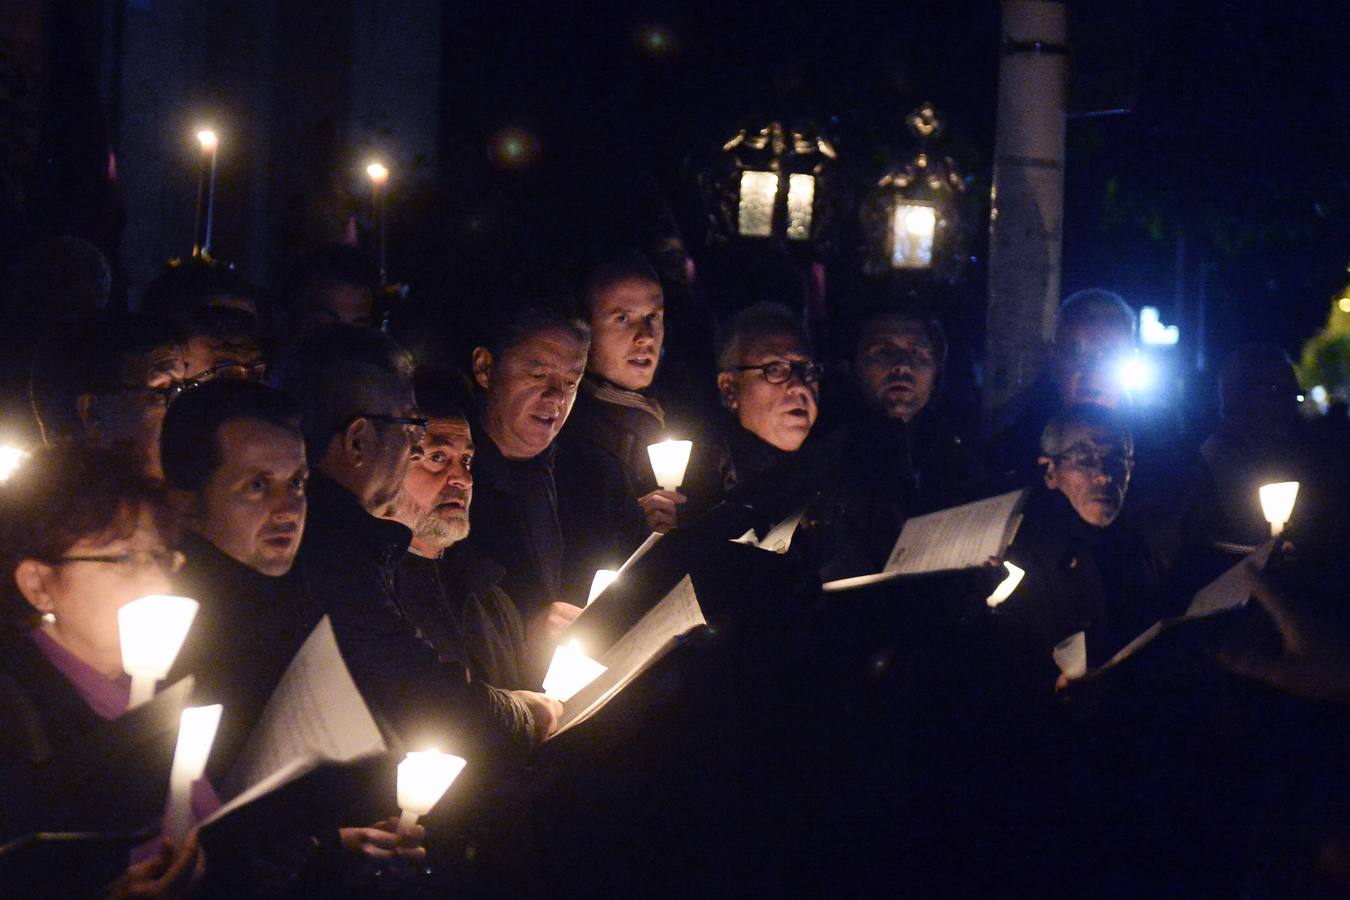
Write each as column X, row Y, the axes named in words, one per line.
column 11, row 458
column 1277, row 503
column 603, row 579
column 1006, row 586
column 912, row 228
column 669, row 460
column 423, row 778
column 206, row 193
column 570, row 671
column 379, row 176
column 754, row 212
column 152, row 630
column 196, row 734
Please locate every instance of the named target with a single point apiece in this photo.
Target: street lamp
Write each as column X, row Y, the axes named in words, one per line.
column 771, row 182
column 910, row 218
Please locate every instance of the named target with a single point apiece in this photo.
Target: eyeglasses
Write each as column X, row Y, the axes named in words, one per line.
column 780, row 372
column 230, row 369
column 416, row 424
column 1091, row 463
column 163, row 395
column 167, row 561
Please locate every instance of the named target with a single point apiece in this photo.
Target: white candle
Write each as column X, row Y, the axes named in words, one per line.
column 669, row 460
column 1071, row 655
column 423, row 778
column 1006, row 586
column 196, row 734
column 1277, row 503
column 570, row 671
column 603, row 579
column 152, row 630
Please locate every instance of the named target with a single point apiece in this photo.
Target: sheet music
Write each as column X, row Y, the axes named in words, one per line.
column 315, row 713
column 962, row 537
column 779, row 538
column 1233, row 587
column 644, row 644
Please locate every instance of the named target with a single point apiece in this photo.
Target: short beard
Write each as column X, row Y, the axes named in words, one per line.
column 434, row 531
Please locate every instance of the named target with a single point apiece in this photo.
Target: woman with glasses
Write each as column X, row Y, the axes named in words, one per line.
column 83, row 533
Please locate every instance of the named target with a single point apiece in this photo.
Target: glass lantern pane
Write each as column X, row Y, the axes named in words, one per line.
column 912, row 229
column 801, row 196
column 755, row 214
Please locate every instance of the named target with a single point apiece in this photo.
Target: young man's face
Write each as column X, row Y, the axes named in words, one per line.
column 438, row 488
column 895, row 366
column 252, row 508
column 779, row 414
column 1092, row 472
column 627, row 328
column 530, row 390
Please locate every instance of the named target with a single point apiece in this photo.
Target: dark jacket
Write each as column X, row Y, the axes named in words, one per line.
column 348, row 565
column 457, row 606
column 602, row 468
column 248, row 628
column 515, row 522
column 876, row 473
column 1101, row 581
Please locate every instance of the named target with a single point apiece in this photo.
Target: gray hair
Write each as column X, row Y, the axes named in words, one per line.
column 1055, row 436
column 760, row 320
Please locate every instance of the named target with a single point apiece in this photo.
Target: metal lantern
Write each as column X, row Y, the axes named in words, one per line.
column 771, row 182
column 910, row 219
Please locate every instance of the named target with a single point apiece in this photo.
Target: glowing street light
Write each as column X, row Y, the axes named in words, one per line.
column 423, row 778
column 771, row 181
column 196, row 734
column 909, row 219
column 206, row 193
column 570, row 671
column 1277, row 504
column 152, row 630
column 669, row 461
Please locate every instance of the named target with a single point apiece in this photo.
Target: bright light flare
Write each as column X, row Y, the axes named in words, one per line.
column 1006, row 586
column 152, row 630
column 670, row 459
column 423, row 778
column 207, row 138
column 378, row 172
column 1277, row 503
column 1153, row 331
column 1135, row 373
column 570, row 671
column 11, row 458
column 603, row 579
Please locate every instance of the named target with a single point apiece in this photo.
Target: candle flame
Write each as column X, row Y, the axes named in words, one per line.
column 208, row 139
column 378, row 172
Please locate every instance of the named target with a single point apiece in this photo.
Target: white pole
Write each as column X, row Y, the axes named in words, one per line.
column 1027, row 201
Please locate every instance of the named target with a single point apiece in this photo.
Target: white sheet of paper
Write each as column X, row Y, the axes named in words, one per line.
column 962, row 537
column 1233, row 587
column 645, row 643
column 640, row 552
column 779, row 538
column 315, row 713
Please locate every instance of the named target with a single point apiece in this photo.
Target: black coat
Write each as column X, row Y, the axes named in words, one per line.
column 348, row 565
column 515, row 522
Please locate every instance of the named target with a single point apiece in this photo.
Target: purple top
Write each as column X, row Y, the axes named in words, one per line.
column 109, row 698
